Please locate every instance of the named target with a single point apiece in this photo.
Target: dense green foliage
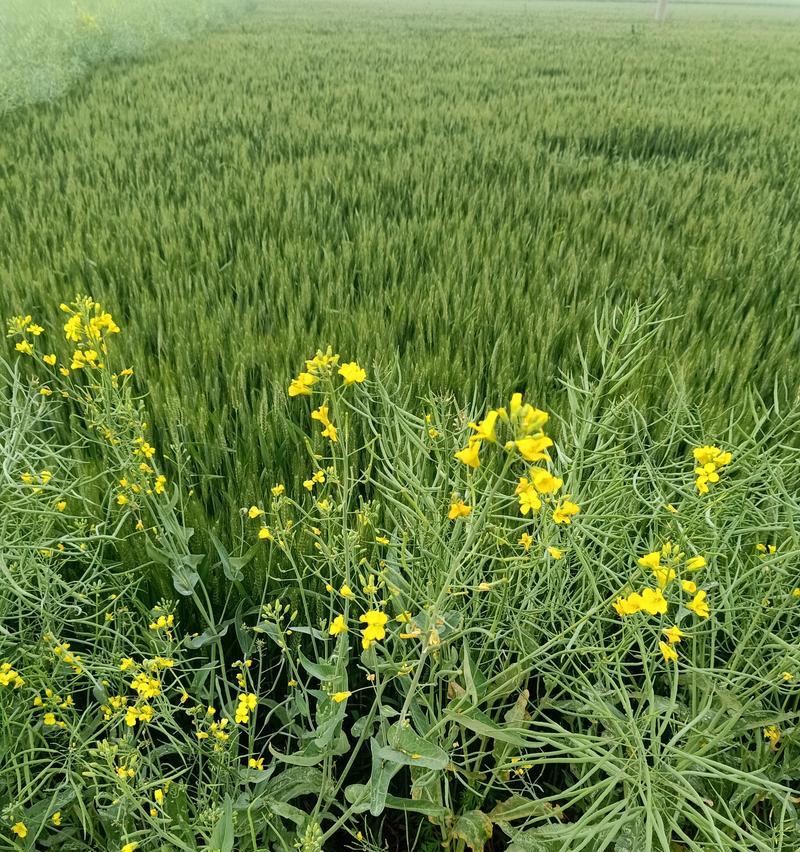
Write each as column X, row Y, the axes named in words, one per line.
column 510, row 689
column 459, row 184
column 471, row 199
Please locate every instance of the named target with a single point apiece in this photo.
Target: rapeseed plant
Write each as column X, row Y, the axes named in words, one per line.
column 418, row 626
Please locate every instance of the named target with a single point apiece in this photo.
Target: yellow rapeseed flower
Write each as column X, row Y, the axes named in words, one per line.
column 375, row 629
column 653, row 601
column 564, row 511
column 301, row 386
column 329, row 430
column 529, row 500
column 352, row 373
column 699, row 605
column 544, row 481
column 458, row 509
column 664, row 575
column 486, row 428
column 669, row 653
column 247, row 705
column 674, row 634
column 695, row 563
column 651, row 560
column 337, row 626
column 629, row 605
column 470, row 454
column 533, row 448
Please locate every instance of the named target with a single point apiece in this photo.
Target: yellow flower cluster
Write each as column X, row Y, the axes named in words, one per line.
column 459, row 509
column 216, row 730
column 375, row 629
column 322, row 364
column 146, row 685
column 163, row 621
column 328, row 430
column 10, row 676
column 651, row 601
column 26, row 330
column 247, row 703
column 666, row 564
column 710, row 460
column 524, row 427
column 523, row 422
column 88, row 322
column 62, row 651
column 51, row 704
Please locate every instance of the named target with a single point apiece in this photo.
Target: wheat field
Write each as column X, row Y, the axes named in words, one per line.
column 445, row 619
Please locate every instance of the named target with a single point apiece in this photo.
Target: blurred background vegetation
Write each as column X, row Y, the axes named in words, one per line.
column 47, row 45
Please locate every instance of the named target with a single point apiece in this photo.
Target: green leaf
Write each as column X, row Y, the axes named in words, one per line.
column 287, row 811
column 478, row 722
column 474, row 828
column 540, row 839
column 330, row 724
column 308, row 756
column 293, row 782
column 519, row 807
column 322, row 671
column 383, row 771
column 184, row 574
column 206, row 636
column 413, row 749
column 358, row 795
column 232, row 565
column 222, row 837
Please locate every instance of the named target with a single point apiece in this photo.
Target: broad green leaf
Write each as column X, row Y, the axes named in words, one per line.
column 184, row 574
column 474, row 828
column 480, row 723
column 418, row 751
column 206, row 636
column 232, row 565
column 519, row 807
column 222, row 838
column 322, row 671
column 382, row 773
column 358, row 795
column 293, row 782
